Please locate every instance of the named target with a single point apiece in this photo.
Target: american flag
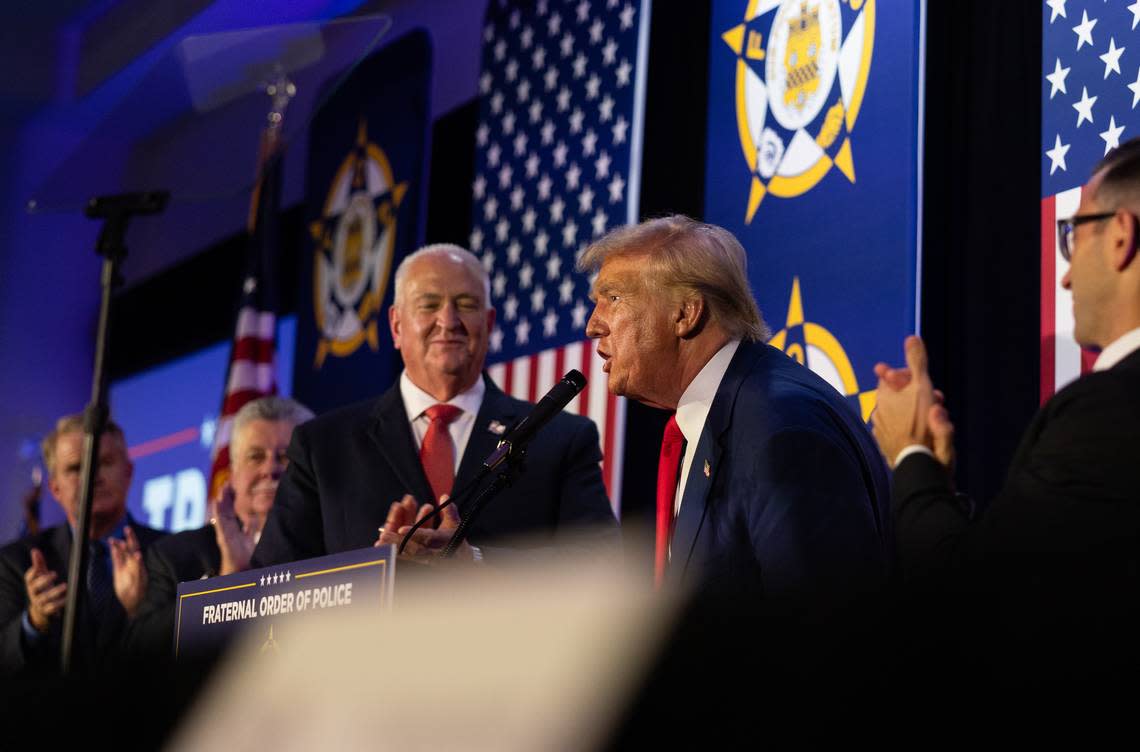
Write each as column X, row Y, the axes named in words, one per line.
column 558, row 161
column 1090, row 91
column 251, row 371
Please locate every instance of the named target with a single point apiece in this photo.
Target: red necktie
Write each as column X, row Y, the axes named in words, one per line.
column 437, row 454
column 672, row 447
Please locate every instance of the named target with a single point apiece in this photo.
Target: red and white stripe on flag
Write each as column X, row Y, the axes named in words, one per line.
column 1062, row 359
column 529, row 377
column 251, row 376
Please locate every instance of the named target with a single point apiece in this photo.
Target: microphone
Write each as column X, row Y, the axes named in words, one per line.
column 549, row 406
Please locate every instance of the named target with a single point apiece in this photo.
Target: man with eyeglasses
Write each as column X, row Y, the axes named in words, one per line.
column 1051, row 571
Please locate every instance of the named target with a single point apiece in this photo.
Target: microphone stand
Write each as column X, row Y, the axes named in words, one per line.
column 116, row 212
column 511, row 461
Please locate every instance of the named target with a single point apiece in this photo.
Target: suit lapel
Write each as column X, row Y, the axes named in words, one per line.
column 707, row 459
column 496, row 407
column 392, row 434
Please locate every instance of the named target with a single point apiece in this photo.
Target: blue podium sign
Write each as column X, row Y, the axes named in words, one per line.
column 211, row 611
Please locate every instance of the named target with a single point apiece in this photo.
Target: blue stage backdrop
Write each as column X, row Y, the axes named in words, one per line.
column 814, row 163
column 365, row 196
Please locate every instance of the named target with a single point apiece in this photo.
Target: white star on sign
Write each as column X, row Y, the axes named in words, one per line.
column 500, row 284
column 598, row 27
column 626, row 16
column 520, row 144
column 593, row 86
column 485, row 83
column 563, row 99
column 497, row 102
column 623, row 72
column 589, row 142
column 1135, row 87
column 556, row 209
column 1058, row 7
column 476, row 239
column 528, row 218
column 578, row 315
column 606, row 109
column 550, row 324
column 583, row 11
column 570, row 233
column 576, row 120
column 544, row 187
column 585, row 200
column 538, row 57
column 547, row 133
column 509, row 123
column 566, row 289
column 490, row 209
column 536, row 111
column 617, row 189
column 537, row 299
column 1135, row 9
column 609, row 52
column 599, row 222
column 550, row 78
column 1112, row 57
column 496, row 339
column 510, row 308
column 572, row 175
column 523, row 90
column 1084, row 29
column 1056, row 79
column 489, row 260
column 1084, row 107
column 502, row 229
column 1112, row 135
column 525, row 275
column 206, row 432
column 482, row 133
column 517, row 196
column 493, row 154
column 540, row 241
column 514, row 252
column 602, row 164
column 522, row 332
column 505, row 175
column 532, row 163
column 553, row 266
column 527, row 37
column 1057, row 155
column 567, row 44
column 500, row 50
column 580, row 65
column 560, row 154
column 619, row 129
column 554, row 25
column 512, row 70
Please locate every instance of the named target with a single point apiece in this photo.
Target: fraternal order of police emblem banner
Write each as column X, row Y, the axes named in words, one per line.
column 363, row 214
column 813, row 162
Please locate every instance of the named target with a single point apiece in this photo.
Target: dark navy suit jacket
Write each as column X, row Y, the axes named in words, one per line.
column 95, row 643
column 348, row 466
column 787, row 491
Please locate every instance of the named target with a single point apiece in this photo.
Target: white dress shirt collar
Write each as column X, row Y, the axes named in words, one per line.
column 1120, row 349
column 416, row 400
column 693, row 409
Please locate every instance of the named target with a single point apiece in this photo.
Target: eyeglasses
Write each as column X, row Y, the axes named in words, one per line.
column 1065, row 228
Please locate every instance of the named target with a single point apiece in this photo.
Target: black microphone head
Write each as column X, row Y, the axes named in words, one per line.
column 575, row 377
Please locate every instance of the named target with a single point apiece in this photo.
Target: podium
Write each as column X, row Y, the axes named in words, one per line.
column 271, row 601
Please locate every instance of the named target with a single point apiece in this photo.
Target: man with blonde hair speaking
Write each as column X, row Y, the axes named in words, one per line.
column 768, row 480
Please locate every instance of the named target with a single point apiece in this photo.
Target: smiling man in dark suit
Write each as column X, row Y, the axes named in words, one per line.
column 768, row 480
column 382, row 463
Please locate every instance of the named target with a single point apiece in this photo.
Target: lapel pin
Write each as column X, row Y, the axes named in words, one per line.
column 708, row 469
column 496, row 428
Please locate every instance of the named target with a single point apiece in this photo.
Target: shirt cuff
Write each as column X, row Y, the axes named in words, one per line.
column 31, row 634
column 909, row 450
